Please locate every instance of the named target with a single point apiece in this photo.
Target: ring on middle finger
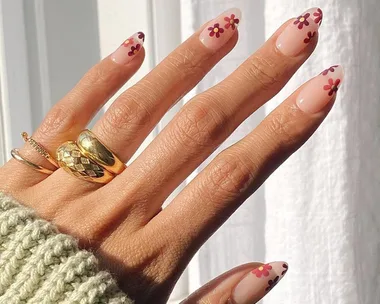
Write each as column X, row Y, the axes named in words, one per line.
column 73, row 161
column 94, row 149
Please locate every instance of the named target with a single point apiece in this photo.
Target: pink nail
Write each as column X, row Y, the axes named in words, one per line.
column 128, row 49
column 218, row 31
column 256, row 284
column 300, row 32
column 320, row 90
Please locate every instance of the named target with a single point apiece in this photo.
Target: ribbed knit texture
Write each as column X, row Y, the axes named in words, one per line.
column 40, row 265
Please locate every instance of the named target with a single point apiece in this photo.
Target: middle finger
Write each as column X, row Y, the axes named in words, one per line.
column 134, row 114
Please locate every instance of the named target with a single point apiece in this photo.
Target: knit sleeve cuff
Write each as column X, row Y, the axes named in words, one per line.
column 40, row 265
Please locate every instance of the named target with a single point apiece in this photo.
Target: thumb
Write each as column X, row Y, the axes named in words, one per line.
column 245, row 284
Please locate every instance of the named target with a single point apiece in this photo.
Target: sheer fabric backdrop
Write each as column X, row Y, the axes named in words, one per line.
column 320, row 211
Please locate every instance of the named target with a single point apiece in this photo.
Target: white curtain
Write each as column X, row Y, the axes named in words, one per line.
column 321, row 210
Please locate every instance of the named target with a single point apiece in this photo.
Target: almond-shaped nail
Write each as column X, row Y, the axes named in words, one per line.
column 218, row 31
column 128, row 49
column 300, row 32
column 257, row 283
column 321, row 90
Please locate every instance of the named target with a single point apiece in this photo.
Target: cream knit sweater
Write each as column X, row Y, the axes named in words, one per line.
column 40, row 265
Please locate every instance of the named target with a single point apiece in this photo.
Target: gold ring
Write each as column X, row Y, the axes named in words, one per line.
column 73, row 161
column 16, row 155
column 40, row 149
column 94, row 149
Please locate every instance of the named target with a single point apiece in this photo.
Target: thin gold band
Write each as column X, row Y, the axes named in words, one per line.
column 39, row 148
column 16, row 155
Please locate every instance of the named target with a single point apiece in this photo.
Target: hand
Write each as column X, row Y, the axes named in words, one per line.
column 147, row 248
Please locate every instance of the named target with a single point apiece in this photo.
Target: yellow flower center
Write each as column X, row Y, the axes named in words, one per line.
column 135, row 51
column 302, row 19
column 232, row 21
column 333, row 87
column 126, row 41
column 216, row 30
column 261, row 268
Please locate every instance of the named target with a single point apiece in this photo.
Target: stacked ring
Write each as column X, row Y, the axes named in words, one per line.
column 72, row 160
column 94, row 149
column 17, row 156
column 89, row 159
column 40, row 149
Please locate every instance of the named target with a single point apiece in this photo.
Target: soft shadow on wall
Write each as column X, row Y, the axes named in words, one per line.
column 63, row 43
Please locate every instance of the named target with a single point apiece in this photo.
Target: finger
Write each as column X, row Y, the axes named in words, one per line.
column 206, row 121
column 71, row 114
column 239, row 170
column 247, row 283
column 134, row 114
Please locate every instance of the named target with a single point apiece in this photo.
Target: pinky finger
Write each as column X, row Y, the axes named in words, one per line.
column 245, row 284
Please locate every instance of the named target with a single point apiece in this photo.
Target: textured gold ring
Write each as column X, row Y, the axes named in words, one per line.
column 73, row 161
column 98, row 152
column 39, row 148
column 16, row 155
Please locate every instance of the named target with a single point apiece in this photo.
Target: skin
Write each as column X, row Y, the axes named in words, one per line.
column 122, row 222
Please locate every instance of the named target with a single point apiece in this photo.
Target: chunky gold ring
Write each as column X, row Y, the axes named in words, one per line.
column 73, row 161
column 94, row 149
column 39, row 148
column 16, row 155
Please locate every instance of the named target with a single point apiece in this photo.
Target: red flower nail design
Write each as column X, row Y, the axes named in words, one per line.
column 141, row 36
column 285, row 266
column 262, row 271
column 319, row 16
column 332, row 86
column 231, row 22
column 272, row 283
column 215, row 30
column 128, row 42
column 310, row 36
column 134, row 50
column 330, row 69
column 302, row 21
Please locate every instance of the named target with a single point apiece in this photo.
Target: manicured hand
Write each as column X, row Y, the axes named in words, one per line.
column 147, row 248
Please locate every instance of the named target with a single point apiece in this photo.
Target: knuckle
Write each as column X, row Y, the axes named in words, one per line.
column 199, row 125
column 231, row 174
column 97, row 76
column 262, row 71
column 127, row 114
column 186, row 63
column 60, row 119
column 282, row 130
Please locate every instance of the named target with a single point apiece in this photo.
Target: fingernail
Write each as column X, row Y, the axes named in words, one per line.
column 300, row 32
column 256, row 284
column 129, row 48
column 320, row 90
column 218, row 31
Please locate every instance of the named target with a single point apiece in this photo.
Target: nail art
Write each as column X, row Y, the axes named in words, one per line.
column 129, row 48
column 218, row 31
column 320, row 90
column 299, row 33
column 256, row 284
